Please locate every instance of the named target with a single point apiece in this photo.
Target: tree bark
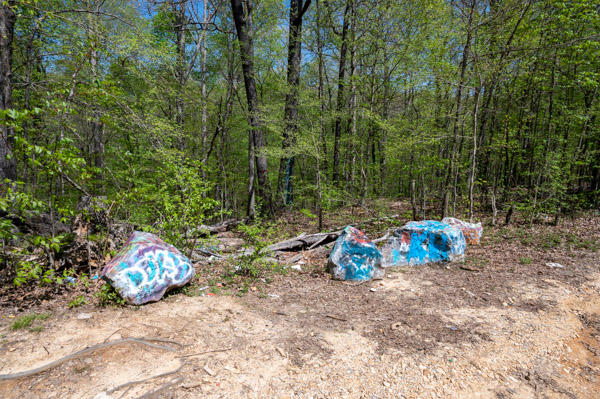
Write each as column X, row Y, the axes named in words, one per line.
column 461, row 82
column 8, row 166
column 340, row 94
column 180, row 70
column 96, row 126
column 245, row 31
column 286, row 166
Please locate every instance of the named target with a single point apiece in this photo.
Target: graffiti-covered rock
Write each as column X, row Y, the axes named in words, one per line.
column 417, row 243
column 147, row 267
column 355, row 257
column 471, row 231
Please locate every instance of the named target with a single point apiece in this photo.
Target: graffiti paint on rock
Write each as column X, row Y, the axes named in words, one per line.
column 147, row 267
column 428, row 241
column 355, row 257
column 471, row 231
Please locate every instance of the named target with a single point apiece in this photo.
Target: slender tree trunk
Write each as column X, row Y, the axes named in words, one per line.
column 461, row 82
column 204, row 132
column 95, row 123
column 245, row 31
column 322, row 106
column 286, row 167
column 474, row 155
column 179, row 8
column 340, row 94
column 8, row 166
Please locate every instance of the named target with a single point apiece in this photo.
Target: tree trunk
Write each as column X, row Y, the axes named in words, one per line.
column 286, row 166
column 321, row 92
column 461, row 82
column 203, row 85
column 243, row 25
column 180, row 29
column 95, row 124
column 8, row 166
column 474, row 155
column 340, row 95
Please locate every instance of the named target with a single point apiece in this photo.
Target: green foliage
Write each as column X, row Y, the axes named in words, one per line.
column 27, row 271
column 176, row 205
column 108, row 296
column 27, row 320
column 525, row 260
column 573, row 241
column 32, row 270
column 307, row 213
column 77, row 302
column 253, row 263
column 110, row 106
column 550, row 240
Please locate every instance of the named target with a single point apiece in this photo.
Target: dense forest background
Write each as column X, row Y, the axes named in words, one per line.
column 180, row 112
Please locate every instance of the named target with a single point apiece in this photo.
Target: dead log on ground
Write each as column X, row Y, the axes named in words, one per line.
column 311, row 241
column 307, row 241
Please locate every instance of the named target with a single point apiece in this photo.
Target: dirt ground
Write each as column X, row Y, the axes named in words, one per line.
column 502, row 325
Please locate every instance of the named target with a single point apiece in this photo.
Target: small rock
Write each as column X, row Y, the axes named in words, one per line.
column 232, row 369
column 504, row 304
column 281, row 352
column 296, row 267
column 83, row 316
column 373, row 289
column 552, row 264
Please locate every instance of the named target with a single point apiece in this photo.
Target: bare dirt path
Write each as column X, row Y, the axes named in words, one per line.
column 502, row 325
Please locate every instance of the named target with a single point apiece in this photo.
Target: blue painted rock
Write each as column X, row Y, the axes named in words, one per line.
column 471, row 231
column 355, row 257
column 417, row 243
column 147, row 267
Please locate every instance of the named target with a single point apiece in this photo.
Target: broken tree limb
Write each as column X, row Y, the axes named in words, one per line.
column 143, row 341
column 384, row 238
column 311, row 241
column 205, row 352
column 204, row 230
column 305, row 241
column 155, row 394
column 130, row 383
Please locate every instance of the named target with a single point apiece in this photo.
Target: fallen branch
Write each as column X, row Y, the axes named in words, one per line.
column 469, row 269
column 159, row 390
column 311, row 241
column 384, row 238
column 204, row 230
column 127, row 384
column 335, row 317
column 143, row 341
column 304, row 241
column 75, row 185
column 203, row 353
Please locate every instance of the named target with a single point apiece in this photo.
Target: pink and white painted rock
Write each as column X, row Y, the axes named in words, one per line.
column 471, row 231
column 147, row 267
